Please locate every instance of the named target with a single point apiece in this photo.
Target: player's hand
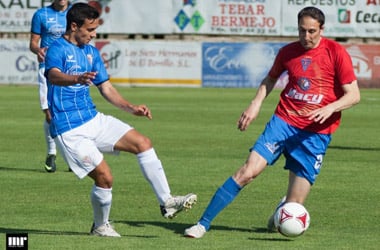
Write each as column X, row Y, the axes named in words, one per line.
column 41, row 54
column 86, row 78
column 247, row 117
column 142, row 110
column 320, row 115
column 47, row 115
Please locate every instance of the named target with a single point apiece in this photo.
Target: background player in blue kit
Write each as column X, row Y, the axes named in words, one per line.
column 48, row 24
column 83, row 134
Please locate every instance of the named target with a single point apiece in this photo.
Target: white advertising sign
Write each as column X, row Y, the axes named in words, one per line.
column 344, row 18
column 127, row 62
column 18, row 65
column 152, row 62
column 246, row 17
column 135, row 17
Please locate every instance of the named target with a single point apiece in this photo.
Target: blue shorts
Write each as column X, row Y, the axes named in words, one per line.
column 302, row 149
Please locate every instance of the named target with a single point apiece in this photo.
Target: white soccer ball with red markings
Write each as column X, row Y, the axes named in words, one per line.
column 292, row 219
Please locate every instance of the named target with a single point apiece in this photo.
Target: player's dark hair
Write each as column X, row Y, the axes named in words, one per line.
column 314, row 13
column 79, row 12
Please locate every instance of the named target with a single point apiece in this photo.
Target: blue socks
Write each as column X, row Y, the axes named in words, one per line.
column 222, row 197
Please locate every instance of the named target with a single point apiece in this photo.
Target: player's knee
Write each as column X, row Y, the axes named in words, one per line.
column 102, row 177
column 143, row 144
column 104, row 181
column 246, row 174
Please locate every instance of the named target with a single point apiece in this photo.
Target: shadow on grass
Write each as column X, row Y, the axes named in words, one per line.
column 55, row 233
column 22, row 169
column 36, row 170
column 270, row 239
column 264, row 230
column 179, row 228
column 354, row 148
column 37, row 231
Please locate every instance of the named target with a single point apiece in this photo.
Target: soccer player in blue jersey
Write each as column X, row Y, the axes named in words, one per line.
column 83, row 134
column 48, row 24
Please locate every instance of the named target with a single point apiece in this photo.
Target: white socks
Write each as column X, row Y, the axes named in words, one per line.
column 154, row 173
column 101, row 199
column 51, row 149
column 151, row 167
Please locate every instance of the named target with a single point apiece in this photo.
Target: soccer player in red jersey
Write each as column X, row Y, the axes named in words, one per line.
column 321, row 84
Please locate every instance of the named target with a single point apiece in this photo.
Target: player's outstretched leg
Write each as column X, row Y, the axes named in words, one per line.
column 222, row 197
column 154, row 173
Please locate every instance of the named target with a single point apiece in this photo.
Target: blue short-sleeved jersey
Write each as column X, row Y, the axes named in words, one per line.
column 72, row 106
column 49, row 23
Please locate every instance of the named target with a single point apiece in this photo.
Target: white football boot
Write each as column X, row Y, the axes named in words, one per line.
column 105, row 230
column 176, row 204
column 197, row 231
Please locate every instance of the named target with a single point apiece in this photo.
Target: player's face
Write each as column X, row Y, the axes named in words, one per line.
column 61, row 3
column 85, row 33
column 309, row 32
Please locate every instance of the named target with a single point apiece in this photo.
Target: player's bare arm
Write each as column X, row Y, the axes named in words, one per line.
column 350, row 98
column 113, row 96
column 34, row 46
column 56, row 77
column 251, row 113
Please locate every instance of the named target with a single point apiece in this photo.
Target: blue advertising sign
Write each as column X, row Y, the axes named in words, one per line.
column 237, row 65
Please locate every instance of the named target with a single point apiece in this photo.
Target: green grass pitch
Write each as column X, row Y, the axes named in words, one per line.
column 194, row 133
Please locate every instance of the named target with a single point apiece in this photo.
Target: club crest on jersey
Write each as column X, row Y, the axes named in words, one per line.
column 304, row 83
column 305, row 63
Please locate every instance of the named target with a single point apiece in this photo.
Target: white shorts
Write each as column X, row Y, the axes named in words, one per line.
column 83, row 147
column 42, row 88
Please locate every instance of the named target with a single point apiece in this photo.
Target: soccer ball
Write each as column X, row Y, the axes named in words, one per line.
column 292, row 219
